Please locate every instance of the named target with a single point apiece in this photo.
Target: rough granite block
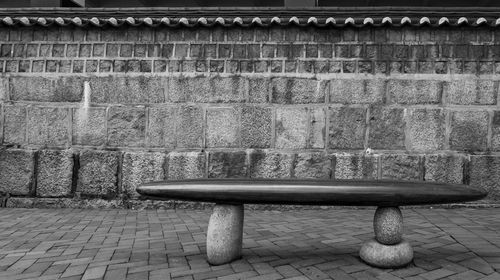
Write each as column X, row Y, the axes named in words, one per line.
column 53, row 89
column 271, row 165
column 317, row 128
column 426, row 129
column 415, row 91
column 347, row 128
column 227, row 165
column 291, row 128
column 89, row 126
column 258, row 91
column 485, row 174
column 444, row 168
column 4, row 88
column 54, row 173
column 223, row 128
column 356, row 166
column 495, row 131
column 97, row 175
column 387, row 127
column 186, row 165
column 207, row 89
column 312, row 166
column 189, row 127
column 17, row 169
column 256, row 127
column 161, row 130
column 297, row 91
column 141, row 168
column 126, row 126
column 401, row 167
column 471, row 92
column 14, row 127
column 119, row 90
column 48, row 126
column 357, row 91
column 469, row 130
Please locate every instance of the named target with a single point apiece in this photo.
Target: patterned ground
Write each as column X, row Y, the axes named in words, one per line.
column 308, row 244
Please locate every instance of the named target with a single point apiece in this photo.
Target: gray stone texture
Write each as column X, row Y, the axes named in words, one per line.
column 401, row 167
column 139, row 167
column 386, row 256
column 227, row 165
column 225, row 234
column 207, row 89
column 89, row 126
column 388, row 225
column 17, row 169
column 444, row 168
column 357, row 91
column 387, row 127
column 355, row 166
column 347, row 128
column 495, row 131
column 415, row 91
column 48, row 126
column 97, row 175
column 256, row 127
column 186, row 165
column 126, row 126
column 317, row 128
column 4, row 88
column 469, row 130
column 223, row 128
column 54, row 173
column 485, row 174
column 426, row 129
column 259, row 89
column 312, row 166
column 189, row 127
column 161, row 127
column 14, row 127
column 127, row 89
column 264, row 164
column 297, row 91
column 471, row 92
column 291, row 128
column 47, row 89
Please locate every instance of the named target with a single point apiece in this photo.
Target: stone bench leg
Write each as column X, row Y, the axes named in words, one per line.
column 388, row 249
column 225, row 234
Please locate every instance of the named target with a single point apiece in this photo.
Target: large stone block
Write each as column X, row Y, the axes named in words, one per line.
column 17, row 169
column 357, row 91
column 14, row 127
column 141, row 168
column 120, row 90
column 495, row 131
column 387, row 128
column 54, row 173
column 471, row 92
column 469, row 130
column 227, row 165
column 415, row 91
column 4, row 89
column 317, row 128
column 313, row 166
column 444, row 168
column 297, row 91
column 426, row 129
column 256, row 127
column 291, row 128
column 485, row 174
column 186, row 165
column 53, row 89
column 161, row 127
column 89, row 126
column 48, row 126
column 126, row 126
column 98, row 173
column 266, row 164
column 258, row 91
column 189, row 127
column 356, row 166
column 223, row 128
column 401, row 167
column 347, row 128
column 207, row 89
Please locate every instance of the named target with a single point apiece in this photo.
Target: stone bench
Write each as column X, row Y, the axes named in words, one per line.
column 387, row 250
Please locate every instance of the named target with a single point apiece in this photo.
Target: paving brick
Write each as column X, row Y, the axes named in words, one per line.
column 469, row 130
column 17, row 171
column 54, row 173
column 97, row 175
column 347, row 128
column 141, row 168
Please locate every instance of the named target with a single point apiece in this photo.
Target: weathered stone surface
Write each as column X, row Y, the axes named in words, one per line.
column 444, row 168
column 186, row 165
column 162, row 123
column 120, row 90
column 141, row 168
column 54, row 173
column 97, row 175
column 256, row 127
column 227, row 165
column 4, row 89
column 89, row 126
column 471, row 91
column 48, row 126
column 291, row 128
column 387, row 127
column 17, row 171
column 207, row 89
column 355, row 166
column 53, row 89
column 347, row 128
column 317, row 128
column 126, row 126
column 189, row 127
column 357, row 91
column 313, row 166
column 485, row 174
column 388, row 225
column 297, row 91
column 415, row 91
column 495, row 131
column 223, row 128
column 426, row 129
column 14, row 127
column 401, row 167
column 469, row 130
column 258, row 91
column 270, row 164
column 225, row 234
column 386, row 256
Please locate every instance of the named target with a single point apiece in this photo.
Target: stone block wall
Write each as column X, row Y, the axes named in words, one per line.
column 412, row 103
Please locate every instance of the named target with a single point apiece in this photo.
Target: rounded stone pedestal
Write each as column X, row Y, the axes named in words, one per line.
column 386, row 256
column 388, row 225
column 225, row 234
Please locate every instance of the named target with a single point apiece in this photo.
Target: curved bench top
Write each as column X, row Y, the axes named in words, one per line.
column 311, row 192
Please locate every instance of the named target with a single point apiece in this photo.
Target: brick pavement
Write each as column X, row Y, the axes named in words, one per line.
column 308, row 244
